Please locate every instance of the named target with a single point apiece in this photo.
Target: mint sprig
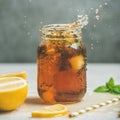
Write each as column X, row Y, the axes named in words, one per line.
column 109, row 87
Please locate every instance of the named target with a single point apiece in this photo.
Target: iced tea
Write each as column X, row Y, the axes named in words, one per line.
column 61, row 65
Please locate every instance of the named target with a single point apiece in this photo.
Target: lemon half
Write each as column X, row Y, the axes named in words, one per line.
column 51, row 111
column 15, row 74
column 13, row 92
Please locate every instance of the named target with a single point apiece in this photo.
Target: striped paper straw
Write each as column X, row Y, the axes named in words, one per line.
column 93, row 107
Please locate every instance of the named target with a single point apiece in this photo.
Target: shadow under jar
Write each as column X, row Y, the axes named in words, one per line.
column 61, row 62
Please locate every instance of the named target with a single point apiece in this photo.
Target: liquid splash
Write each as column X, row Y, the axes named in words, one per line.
column 81, row 22
column 69, row 30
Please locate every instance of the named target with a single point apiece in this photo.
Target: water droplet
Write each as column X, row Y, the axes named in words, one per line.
column 97, row 17
column 82, row 20
column 92, row 48
column 41, row 22
column 105, row 3
column 97, row 11
column 79, row 16
column 91, row 8
column 40, row 30
column 91, row 44
column 100, row 6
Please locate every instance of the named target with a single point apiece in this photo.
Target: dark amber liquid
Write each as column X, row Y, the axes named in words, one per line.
column 60, row 79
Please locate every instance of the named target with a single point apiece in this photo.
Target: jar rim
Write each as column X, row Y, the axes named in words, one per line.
column 56, row 26
column 60, row 26
column 61, row 31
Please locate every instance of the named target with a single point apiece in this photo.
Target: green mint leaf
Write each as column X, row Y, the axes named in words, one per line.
column 110, row 87
column 101, row 89
column 110, row 84
column 116, row 89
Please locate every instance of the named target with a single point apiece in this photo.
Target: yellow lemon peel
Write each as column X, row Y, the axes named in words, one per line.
column 51, row 111
column 15, row 74
column 13, row 92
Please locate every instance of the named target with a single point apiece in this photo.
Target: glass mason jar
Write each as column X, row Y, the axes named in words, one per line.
column 61, row 61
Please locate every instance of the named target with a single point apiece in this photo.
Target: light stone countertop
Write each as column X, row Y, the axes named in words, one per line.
column 97, row 74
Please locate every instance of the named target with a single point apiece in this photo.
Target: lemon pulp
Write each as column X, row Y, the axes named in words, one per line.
column 13, row 92
column 51, row 111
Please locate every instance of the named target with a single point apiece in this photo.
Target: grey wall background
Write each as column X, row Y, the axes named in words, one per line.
column 20, row 21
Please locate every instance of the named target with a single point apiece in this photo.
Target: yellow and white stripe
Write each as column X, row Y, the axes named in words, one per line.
column 93, row 107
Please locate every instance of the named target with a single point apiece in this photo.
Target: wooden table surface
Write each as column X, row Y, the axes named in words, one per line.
column 97, row 74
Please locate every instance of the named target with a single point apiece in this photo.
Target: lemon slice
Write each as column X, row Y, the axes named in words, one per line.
column 51, row 111
column 13, row 92
column 77, row 62
column 17, row 74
